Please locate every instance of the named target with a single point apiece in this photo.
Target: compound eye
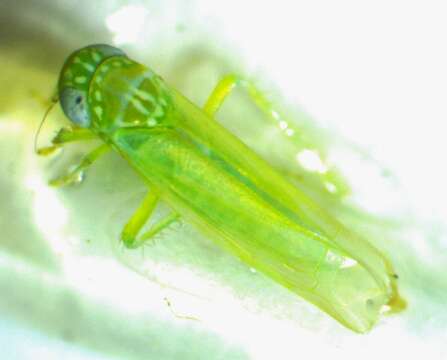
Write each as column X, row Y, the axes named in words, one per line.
column 74, row 105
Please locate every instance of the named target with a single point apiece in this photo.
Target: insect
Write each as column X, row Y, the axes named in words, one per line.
column 210, row 178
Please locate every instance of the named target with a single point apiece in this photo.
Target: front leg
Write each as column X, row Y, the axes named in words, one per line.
column 65, row 136
column 74, row 175
column 62, row 138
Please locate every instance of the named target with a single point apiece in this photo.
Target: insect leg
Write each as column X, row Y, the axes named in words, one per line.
column 328, row 179
column 76, row 173
column 227, row 84
column 129, row 235
column 65, row 136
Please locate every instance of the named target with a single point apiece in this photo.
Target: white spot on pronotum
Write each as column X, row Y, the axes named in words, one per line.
column 311, row 160
column 96, row 57
column 98, row 111
column 88, row 67
column 283, row 125
column 80, row 79
column 137, row 104
column 104, row 68
column 290, row 132
column 158, row 112
column 98, row 95
column 144, row 95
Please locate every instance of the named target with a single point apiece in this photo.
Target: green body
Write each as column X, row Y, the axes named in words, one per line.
column 217, row 183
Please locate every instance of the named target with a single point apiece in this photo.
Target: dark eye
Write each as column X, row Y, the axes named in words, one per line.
column 73, row 105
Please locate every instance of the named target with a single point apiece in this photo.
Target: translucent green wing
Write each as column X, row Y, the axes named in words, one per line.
column 217, row 183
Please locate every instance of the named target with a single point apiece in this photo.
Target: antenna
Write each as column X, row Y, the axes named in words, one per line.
column 54, row 100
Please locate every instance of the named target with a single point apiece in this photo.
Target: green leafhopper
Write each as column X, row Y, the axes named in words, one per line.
column 209, row 178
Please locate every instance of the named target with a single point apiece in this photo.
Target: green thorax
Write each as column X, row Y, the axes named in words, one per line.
column 124, row 93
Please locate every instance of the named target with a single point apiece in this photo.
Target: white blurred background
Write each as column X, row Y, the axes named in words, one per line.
column 372, row 74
